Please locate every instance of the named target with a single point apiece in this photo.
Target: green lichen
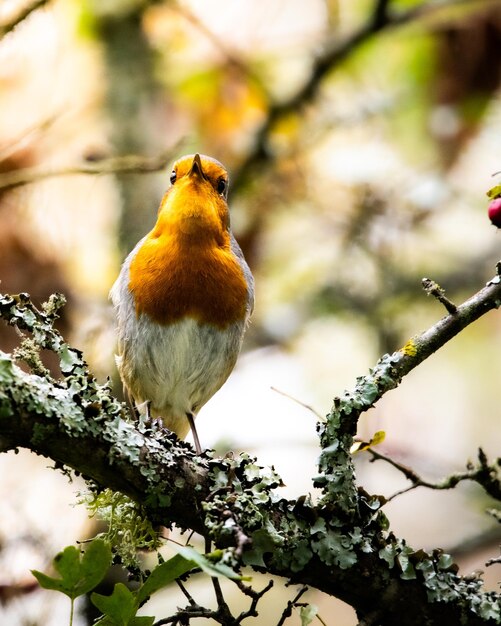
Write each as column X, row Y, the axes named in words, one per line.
column 19, row 311
column 29, row 353
column 243, row 503
column 77, row 405
column 335, row 548
column 336, row 475
column 439, row 575
column 301, row 555
column 305, row 531
column 6, row 368
column 242, row 491
column 129, row 529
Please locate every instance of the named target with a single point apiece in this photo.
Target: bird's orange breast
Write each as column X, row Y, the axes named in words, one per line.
column 170, row 280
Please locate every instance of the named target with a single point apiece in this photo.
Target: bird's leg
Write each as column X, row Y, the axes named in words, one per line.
column 152, row 421
column 191, row 421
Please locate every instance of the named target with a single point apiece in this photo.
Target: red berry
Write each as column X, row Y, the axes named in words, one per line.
column 495, row 212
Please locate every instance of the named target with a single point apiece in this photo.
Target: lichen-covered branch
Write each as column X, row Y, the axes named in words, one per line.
column 340, row 545
column 336, row 476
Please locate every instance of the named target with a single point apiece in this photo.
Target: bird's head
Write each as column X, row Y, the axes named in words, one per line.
column 195, row 205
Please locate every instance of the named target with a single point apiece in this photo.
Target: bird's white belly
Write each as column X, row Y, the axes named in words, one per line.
column 177, row 368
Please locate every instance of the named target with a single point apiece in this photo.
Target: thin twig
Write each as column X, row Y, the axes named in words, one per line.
column 321, row 418
column 223, row 610
column 391, row 369
column 16, row 144
column 128, row 164
column 219, row 593
column 184, row 615
column 484, row 474
column 255, row 595
column 290, row 605
column 408, row 472
column 433, row 289
column 9, row 26
column 186, row 593
column 324, row 623
column 493, row 561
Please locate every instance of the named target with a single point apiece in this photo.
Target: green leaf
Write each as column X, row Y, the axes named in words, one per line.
column 377, row 438
column 78, row 574
column 96, row 561
column 219, row 570
column 186, row 559
column 494, row 193
column 47, row 582
column 135, row 621
column 308, row 614
column 120, row 608
column 163, row 575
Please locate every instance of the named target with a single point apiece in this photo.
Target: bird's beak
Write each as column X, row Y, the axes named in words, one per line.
column 196, row 167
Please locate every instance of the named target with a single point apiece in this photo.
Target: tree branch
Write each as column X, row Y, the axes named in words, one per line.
column 487, row 476
column 128, row 164
column 290, row 605
column 9, row 26
column 380, row 14
column 390, row 369
column 332, row 545
column 335, row 51
column 433, row 289
column 336, row 476
column 255, row 597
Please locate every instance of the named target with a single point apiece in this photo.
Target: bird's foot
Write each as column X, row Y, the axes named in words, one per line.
column 157, row 423
column 191, row 421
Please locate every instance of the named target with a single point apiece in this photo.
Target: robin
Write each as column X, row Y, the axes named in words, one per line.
column 183, row 300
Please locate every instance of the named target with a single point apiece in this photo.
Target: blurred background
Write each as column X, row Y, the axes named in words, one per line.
column 360, row 154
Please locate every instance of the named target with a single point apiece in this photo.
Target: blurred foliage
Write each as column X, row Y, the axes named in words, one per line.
column 369, row 162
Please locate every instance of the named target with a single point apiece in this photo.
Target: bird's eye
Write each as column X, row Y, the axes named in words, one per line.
column 173, row 177
column 222, row 186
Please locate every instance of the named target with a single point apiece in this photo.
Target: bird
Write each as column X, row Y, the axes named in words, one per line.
column 183, row 300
